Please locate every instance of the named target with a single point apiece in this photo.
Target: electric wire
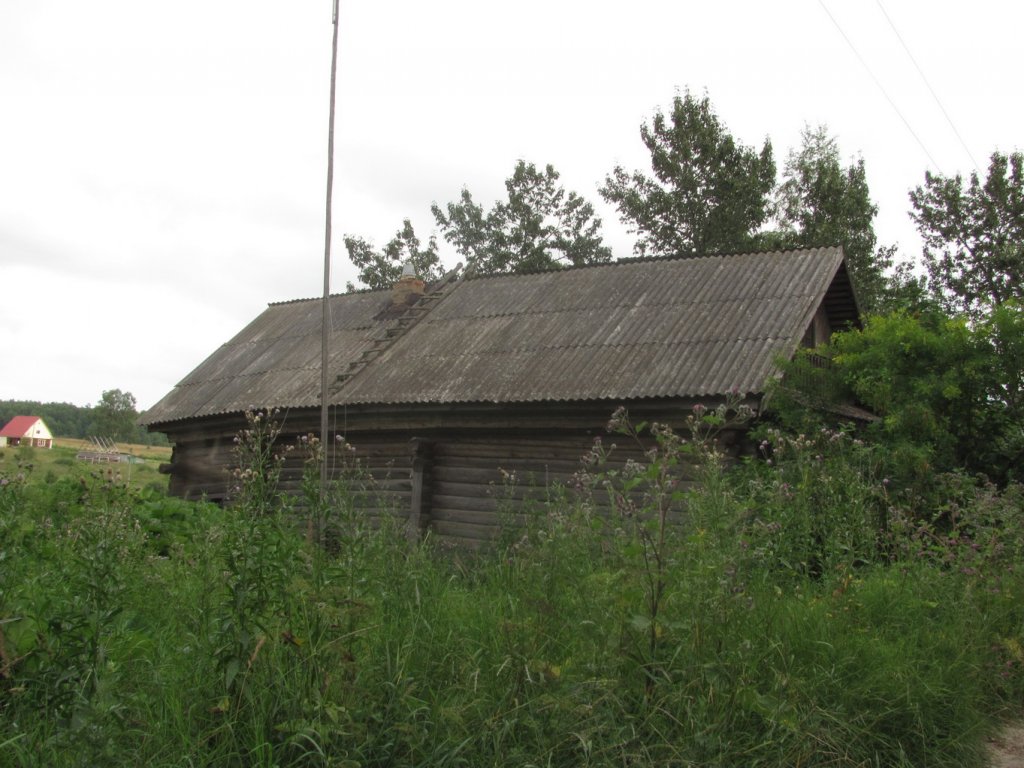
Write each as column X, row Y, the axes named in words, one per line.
column 881, row 87
column 931, row 90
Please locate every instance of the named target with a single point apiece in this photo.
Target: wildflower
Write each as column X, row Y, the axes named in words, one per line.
column 619, row 420
column 633, row 468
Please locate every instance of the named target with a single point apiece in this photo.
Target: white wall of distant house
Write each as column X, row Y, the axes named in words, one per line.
column 37, row 432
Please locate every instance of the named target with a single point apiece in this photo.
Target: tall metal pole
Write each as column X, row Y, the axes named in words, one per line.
column 326, row 317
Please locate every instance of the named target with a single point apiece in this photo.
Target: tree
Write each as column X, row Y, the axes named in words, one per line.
column 539, row 227
column 819, row 202
column 1002, row 332
column 709, row 193
column 114, row 415
column 974, row 237
column 382, row 269
column 925, row 376
column 948, row 391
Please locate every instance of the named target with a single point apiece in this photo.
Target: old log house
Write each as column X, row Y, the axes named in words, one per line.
column 447, row 390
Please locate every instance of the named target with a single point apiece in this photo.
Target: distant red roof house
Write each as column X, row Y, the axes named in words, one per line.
column 26, row 430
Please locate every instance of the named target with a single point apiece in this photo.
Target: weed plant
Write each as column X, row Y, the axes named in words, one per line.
column 789, row 611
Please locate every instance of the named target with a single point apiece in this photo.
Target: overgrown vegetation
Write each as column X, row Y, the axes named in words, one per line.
column 804, row 610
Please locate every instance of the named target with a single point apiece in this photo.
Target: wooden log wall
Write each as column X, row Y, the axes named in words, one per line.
column 462, row 476
column 485, row 481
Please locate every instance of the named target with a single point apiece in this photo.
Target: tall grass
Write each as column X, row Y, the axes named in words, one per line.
column 796, row 615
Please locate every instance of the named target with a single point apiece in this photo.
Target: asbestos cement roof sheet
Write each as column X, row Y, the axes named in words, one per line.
column 686, row 327
column 660, row 328
column 275, row 360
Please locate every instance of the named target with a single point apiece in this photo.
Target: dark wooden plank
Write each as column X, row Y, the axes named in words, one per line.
column 465, row 531
column 495, row 491
column 442, row 502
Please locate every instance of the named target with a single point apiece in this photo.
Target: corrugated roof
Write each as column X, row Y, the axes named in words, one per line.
column 638, row 329
column 274, row 362
column 665, row 328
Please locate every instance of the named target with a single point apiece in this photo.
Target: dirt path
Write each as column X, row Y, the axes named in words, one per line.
column 1007, row 749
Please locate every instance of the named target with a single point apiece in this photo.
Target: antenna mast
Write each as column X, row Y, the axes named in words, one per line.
column 326, row 316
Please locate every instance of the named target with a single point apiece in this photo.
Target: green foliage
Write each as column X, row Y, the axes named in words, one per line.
column 974, row 236
column 1001, row 334
column 819, row 504
column 820, row 202
column 1002, row 331
column 905, row 290
column 926, row 377
column 383, row 269
column 539, row 226
column 256, row 551
column 57, row 465
column 947, row 391
column 63, row 419
column 709, row 193
column 786, row 630
column 114, row 415
column 80, row 422
column 647, row 501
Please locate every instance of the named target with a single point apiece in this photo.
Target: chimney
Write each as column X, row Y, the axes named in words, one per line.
column 408, row 289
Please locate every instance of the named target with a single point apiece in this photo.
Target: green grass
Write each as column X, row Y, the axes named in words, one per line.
column 46, row 466
column 141, row 630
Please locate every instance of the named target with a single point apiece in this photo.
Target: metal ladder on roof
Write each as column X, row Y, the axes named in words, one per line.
column 397, row 328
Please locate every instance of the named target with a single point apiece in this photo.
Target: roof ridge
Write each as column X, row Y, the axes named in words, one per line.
column 653, row 259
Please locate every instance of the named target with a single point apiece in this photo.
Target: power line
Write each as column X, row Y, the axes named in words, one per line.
column 929, row 85
column 878, row 83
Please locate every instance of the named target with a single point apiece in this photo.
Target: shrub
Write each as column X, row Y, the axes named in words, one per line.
column 794, row 611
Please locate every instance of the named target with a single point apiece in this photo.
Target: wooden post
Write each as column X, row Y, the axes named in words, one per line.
column 420, row 463
column 325, row 324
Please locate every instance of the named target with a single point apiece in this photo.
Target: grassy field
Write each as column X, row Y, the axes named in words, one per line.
column 50, row 465
column 801, row 617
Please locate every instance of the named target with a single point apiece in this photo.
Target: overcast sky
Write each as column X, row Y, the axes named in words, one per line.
column 163, row 164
